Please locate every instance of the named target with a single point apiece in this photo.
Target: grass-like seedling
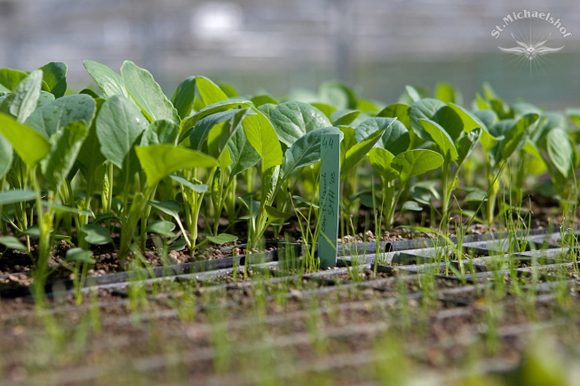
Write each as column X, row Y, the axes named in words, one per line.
column 131, row 173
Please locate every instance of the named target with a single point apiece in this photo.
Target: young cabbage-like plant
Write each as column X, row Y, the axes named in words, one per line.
column 299, row 126
column 505, row 132
column 499, row 141
column 512, row 136
column 48, row 148
column 555, row 146
column 304, row 152
column 437, row 122
column 402, row 166
column 217, row 135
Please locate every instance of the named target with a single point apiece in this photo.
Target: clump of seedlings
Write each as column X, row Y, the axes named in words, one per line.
column 151, row 233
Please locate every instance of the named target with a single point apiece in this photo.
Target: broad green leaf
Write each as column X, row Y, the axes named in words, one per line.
column 54, row 74
column 466, row 144
column 522, row 108
column 380, row 160
column 65, row 146
column 277, row 214
column 344, row 117
column 178, row 245
column 488, row 91
column 24, row 99
column 447, row 93
column 190, row 122
column 12, row 242
column 32, row 231
column 486, row 117
column 414, row 93
column 242, row 154
column 109, row 81
column 229, row 90
column 199, row 133
column 57, row 114
column 160, row 132
column 441, row 138
column 119, row 125
column 262, row 136
column 90, row 156
column 221, row 135
column 293, row 119
column 89, row 92
column 303, row 201
column 169, row 207
column 369, row 106
column 553, row 119
column 28, row 144
column 253, row 207
column 475, row 195
column 560, row 150
column 66, row 209
column 209, row 91
column 412, row 206
column 400, row 111
column 163, row 228
column 480, row 103
column 416, row 162
column 184, row 96
column 472, row 121
column 270, row 179
column 10, row 78
column 158, row 161
column 96, row 234
column 199, row 188
column 338, row 95
column 6, row 154
column 531, row 148
column 535, row 166
column 80, row 255
column 358, row 152
column 348, row 141
column 260, row 100
column 104, row 217
column 305, row 151
column 395, row 138
column 222, row 238
column 326, row 109
column 148, row 94
column 574, row 115
column 450, row 121
column 500, row 128
column 424, row 192
column 424, row 109
column 16, row 195
column 44, row 98
column 514, row 138
column 267, row 109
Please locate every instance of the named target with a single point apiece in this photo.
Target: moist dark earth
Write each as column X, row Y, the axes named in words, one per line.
column 358, row 324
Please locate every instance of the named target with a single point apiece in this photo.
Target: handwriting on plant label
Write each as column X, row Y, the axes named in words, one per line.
column 329, row 199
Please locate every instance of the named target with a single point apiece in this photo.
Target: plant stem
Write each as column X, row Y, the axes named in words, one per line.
column 45, row 228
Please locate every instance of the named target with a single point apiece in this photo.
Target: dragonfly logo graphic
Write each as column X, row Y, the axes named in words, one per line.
column 530, row 50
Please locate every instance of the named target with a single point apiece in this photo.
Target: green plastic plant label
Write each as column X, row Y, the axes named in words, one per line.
column 329, row 199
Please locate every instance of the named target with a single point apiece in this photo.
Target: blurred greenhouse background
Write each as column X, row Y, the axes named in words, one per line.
column 279, row 45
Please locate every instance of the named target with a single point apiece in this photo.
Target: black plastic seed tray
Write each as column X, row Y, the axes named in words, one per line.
column 413, row 256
